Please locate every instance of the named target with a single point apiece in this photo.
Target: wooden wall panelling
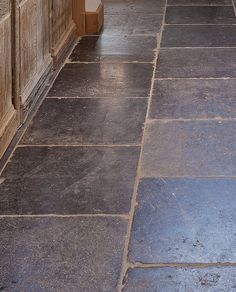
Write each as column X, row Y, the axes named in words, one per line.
column 64, row 31
column 34, row 46
column 8, row 121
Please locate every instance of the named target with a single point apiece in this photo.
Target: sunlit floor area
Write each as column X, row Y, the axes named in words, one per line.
column 125, row 180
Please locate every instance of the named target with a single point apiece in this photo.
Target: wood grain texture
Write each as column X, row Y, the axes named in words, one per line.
column 34, row 43
column 7, row 112
column 33, row 34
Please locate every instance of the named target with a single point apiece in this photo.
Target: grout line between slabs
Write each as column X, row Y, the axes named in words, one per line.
column 195, row 48
column 202, row 24
column 110, row 62
column 204, row 5
column 195, row 78
column 96, row 97
column 125, row 261
column 165, row 177
column 181, row 265
column 78, row 145
column 124, row 216
column 165, row 120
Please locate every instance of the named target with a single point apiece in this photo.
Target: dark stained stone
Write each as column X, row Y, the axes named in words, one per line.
column 103, row 80
column 128, row 24
column 197, row 62
column 61, row 254
column 189, row 148
column 200, row 15
column 212, row 279
column 115, row 48
column 88, row 121
column 69, row 180
column 199, row 36
column 185, row 221
column 134, row 6
column 194, row 98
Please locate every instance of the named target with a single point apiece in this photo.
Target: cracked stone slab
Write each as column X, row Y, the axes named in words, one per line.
column 209, row 279
column 184, row 221
column 61, row 254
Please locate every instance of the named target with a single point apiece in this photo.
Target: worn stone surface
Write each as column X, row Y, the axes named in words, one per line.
column 69, row 180
column 199, row 2
column 128, row 24
column 193, row 98
column 88, row 121
column 189, row 148
column 115, row 49
column 200, row 15
column 134, row 6
column 199, row 36
column 103, row 80
column 61, row 254
column 184, row 221
column 197, row 62
column 171, row 279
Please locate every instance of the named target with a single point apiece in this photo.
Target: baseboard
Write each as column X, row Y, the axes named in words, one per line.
column 36, row 90
column 60, row 53
column 8, row 129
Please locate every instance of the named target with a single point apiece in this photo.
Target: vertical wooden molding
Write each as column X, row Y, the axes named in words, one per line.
column 79, row 15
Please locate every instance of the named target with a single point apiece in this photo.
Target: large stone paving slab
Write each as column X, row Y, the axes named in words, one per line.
column 210, row 279
column 72, row 121
column 199, row 36
column 103, row 80
column 128, row 24
column 189, row 148
column 134, row 6
column 193, row 98
column 184, row 221
column 61, row 254
column 115, row 49
column 200, row 15
column 69, row 180
column 197, row 63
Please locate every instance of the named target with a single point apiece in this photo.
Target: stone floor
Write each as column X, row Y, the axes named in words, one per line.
column 125, row 180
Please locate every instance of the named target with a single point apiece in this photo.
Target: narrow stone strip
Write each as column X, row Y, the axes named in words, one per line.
column 79, row 145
